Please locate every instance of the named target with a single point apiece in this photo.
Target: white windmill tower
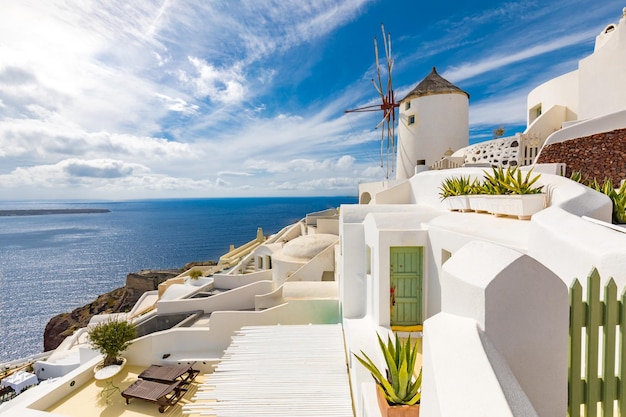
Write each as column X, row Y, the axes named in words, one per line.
column 433, row 118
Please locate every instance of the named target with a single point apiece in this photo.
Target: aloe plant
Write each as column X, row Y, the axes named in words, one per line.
column 617, row 196
column 494, row 182
column 455, row 186
column 619, row 204
column 397, row 383
column 511, row 181
column 521, row 185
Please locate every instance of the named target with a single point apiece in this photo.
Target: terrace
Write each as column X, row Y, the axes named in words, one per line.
column 89, row 400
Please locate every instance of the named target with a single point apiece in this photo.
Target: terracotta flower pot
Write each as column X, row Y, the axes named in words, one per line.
column 387, row 410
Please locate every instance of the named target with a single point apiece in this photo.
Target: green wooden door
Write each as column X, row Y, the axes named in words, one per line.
column 406, row 270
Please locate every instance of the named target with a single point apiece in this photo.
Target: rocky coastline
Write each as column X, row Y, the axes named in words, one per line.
column 119, row 300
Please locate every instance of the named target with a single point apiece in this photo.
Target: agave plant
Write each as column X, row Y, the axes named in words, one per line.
column 576, row 176
column 494, row 182
column 454, row 186
column 511, row 181
column 397, row 383
column 617, row 196
column 517, row 184
column 619, row 204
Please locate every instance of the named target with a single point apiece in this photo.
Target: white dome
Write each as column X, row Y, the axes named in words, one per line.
column 307, row 247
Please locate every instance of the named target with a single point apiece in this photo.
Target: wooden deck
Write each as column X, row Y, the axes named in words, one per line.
column 89, row 401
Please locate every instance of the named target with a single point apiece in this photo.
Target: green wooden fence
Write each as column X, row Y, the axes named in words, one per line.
column 597, row 359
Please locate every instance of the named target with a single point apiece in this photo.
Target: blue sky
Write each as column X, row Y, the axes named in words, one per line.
column 157, row 99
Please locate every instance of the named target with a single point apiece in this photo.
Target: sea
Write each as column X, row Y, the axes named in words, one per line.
column 54, row 263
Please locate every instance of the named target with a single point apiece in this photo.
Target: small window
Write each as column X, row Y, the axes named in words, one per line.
column 411, row 119
column 609, row 28
column 407, row 105
column 260, row 262
column 445, row 255
column 368, row 260
column 538, row 111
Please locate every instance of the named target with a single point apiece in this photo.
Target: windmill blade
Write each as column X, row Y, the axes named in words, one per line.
column 378, row 89
column 385, row 118
column 382, row 141
column 379, row 86
column 373, row 107
column 389, row 62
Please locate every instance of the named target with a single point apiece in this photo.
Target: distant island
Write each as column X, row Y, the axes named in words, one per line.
column 40, row 212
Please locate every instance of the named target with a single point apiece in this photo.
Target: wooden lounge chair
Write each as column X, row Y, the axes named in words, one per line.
column 163, row 394
column 170, row 373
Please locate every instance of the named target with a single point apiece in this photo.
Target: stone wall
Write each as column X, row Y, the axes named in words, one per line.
column 498, row 152
column 600, row 156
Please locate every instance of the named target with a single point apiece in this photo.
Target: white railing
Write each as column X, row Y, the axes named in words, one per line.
column 530, row 145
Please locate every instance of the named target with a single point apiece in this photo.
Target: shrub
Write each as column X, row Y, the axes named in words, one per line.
column 111, row 338
column 195, row 274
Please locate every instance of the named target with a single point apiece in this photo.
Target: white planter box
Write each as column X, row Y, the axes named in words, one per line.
column 522, row 206
column 457, row 203
column 199, row 282
column 478, row 203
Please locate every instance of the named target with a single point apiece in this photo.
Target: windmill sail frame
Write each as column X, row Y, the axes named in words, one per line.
column 388, row 105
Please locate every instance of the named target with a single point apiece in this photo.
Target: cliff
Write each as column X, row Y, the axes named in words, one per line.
column 117, row 301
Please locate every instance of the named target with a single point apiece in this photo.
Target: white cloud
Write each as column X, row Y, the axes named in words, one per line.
column 234, row 173
column 98, row 178
column 507, row 109
column 345, row 162
column 345, row 184
column 100, row 168
column 493, row 62
column 222, row 85
column 177, row 104
column 301, row 165
column 54, row 137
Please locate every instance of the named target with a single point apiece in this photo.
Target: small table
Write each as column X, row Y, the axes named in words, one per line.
column 20, row 380
column 106, row 374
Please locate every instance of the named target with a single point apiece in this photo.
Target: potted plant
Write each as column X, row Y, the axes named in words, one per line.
column 454, row 192
column 194, row 277
column 511, row 193
column 111, row 338
column 398, row 390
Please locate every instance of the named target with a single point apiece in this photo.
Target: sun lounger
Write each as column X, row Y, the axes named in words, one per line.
column 163, row 394
column 170, row 373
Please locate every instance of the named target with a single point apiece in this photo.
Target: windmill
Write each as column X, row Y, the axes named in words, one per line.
column 388, row 105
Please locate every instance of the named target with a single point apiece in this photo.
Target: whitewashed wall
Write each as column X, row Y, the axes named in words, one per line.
column 499, row 347
column 441, row 122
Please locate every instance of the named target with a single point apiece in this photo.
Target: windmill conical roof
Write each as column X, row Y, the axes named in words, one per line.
column 434, row 84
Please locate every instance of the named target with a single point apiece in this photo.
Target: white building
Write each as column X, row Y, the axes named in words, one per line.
column 434, row 117
column 583, row 102
column 488, row 294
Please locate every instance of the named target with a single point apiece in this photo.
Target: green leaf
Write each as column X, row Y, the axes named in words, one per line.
column 396, row 380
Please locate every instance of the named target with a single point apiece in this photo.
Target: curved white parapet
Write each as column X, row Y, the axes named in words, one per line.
column 463, row 378
column 588, row 127
column 515, row 315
